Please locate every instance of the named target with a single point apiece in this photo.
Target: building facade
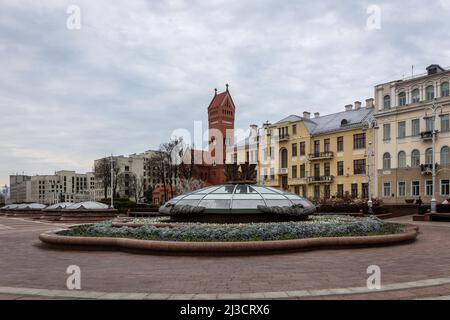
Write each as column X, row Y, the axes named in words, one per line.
column 320, row 157
column 20, row 188
column 63, row 186
column 404, row 133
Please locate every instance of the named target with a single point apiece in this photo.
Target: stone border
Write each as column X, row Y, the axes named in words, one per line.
column 298, row 294
column 52, row 238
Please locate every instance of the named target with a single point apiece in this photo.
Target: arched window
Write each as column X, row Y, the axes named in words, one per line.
column 284, row 158
column 429, row 93
column 344, row 122
column 401, row 159
column 415, row 96
column 386, row 161
column 445, row 91
column 445, row 156
column 387, row 102
column 429, row 156
column 415, row 158
column 402, row 99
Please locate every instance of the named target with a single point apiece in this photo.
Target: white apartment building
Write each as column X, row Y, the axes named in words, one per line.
column 403, row 148
column 20, row 188
column 63, row 186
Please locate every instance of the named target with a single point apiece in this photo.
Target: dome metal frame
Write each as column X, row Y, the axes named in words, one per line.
column 236, row 198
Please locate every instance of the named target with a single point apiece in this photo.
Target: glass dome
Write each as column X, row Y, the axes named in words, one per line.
column 60, row 205
column 87, row 205
column 242, row 198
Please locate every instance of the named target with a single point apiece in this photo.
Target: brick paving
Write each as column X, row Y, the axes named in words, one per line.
column 26, row 264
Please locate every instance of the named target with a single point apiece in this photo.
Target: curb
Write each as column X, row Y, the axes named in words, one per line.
column 50, row 237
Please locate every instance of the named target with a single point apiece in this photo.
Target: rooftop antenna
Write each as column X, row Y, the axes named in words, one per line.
column 412, row 70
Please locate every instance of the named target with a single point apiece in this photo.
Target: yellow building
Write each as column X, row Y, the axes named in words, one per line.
column 319, row 157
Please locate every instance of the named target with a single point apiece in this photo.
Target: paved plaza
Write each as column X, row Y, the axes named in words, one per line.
column 410, row 271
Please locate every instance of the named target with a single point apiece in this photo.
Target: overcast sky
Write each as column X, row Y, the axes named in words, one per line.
column 137, row 70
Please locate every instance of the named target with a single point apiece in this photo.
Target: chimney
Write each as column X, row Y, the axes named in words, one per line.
column 357, row 105
column 253, row 130
column 370, row 103
column 306, row 114
column 348, row 107
column 316, row 114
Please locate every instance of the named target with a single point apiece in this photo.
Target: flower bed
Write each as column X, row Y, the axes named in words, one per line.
column 315, row 227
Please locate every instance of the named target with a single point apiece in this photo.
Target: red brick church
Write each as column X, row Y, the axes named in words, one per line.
column 221, row 115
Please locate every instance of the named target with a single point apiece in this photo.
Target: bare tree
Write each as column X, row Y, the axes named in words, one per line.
column 102, row 172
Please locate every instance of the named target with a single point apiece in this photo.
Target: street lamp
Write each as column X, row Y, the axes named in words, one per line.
column 372, row 125
column 434, row 108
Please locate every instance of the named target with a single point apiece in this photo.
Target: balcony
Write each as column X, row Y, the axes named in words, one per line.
column 427, row 168
column 320, row 155
column 283, row 137
column 320, row 179
column 426, row 135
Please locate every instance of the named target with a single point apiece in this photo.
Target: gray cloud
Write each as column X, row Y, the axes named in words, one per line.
column 137, row 70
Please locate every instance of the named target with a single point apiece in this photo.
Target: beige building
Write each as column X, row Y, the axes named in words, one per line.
column 136, row 166
column 405, row 124
column 63, row 186
column 318, row 157
column 20, row 188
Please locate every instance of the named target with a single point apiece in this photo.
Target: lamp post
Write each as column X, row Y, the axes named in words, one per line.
column 434, row 132
column 367, row 125
column 112, row 182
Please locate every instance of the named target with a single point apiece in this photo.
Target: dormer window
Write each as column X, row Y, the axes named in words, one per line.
column 402, row 99
column 387, row 102
column 344, row 122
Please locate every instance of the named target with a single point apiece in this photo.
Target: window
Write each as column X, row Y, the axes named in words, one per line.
column 294, row 129
column 359, row 141
column 386, row 131
column 340, row 190
column 326, row 145
column 326, row 169
column 401, row 188
column 302, row 171
column 326, row 191
column 302, row 148
column 415, row 96
column 354, row 190
column 359, row 166
column 445, row 91
column 429, row 156
column 402, row 99
column 294, row 150
column 429, row 91
column 316, row 192
column 401, row 159
column 316, row 147
column 401, row 128
column 429, row 187
column 386, row 189
column 294, row 172
column 445, row 124
column 415, row 127
column 445, row 156
column 387, row 102
column 340, row 168
column 317, row 170
column 415, row 188
column 297, row 190
column 340, row 144
column 445, row 187
column 386, row 161
column 429, row 124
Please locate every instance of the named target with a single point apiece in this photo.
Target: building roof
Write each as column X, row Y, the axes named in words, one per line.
column 334, row 121
column 60, row 205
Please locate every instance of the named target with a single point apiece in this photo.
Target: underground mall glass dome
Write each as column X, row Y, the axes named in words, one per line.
column 239, row 198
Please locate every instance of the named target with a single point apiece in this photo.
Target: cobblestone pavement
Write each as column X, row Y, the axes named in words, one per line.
column 25, row 263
